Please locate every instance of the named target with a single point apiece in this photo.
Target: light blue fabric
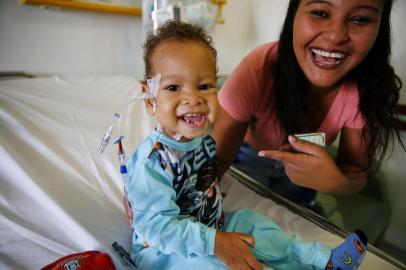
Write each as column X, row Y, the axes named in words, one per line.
column 275, row 248
column 175, row 242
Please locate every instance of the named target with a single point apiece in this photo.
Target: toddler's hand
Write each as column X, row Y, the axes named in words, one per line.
column 232, row 249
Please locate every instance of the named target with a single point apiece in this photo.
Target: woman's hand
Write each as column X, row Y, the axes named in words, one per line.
column 312, row 167
column 231, row 248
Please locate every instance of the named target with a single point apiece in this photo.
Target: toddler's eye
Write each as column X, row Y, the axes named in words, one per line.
column 172, row 88
column 205, row 87
column 320, row 14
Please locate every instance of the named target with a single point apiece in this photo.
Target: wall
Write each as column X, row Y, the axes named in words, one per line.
column 79, row 42
column 248, row 24
column 68, row 42
column 399, row 44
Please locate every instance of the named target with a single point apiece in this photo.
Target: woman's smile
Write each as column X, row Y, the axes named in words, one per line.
column 327, row 59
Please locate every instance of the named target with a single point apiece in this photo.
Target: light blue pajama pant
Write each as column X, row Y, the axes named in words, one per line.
column 273, row 248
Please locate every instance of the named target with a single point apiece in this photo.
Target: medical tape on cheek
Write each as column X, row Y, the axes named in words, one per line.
column 152, row 88
column 153, row 85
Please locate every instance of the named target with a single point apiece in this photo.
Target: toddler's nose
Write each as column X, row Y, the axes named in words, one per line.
column 192, row 99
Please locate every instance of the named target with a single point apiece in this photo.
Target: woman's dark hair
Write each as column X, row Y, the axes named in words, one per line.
column 377, row 83
column 174, row 30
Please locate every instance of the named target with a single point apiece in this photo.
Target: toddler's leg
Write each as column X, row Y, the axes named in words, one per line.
column 349, row 254
column 275, row 248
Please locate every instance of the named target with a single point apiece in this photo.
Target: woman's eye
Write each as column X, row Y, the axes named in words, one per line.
column 361, row 20
column 205, row 87
column 172, row 87
column 319, row 13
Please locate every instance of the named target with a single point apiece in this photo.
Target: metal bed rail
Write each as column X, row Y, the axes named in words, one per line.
column 13, row 74
column 308, row 214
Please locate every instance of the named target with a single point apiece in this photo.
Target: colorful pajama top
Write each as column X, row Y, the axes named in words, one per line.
column 175, row 199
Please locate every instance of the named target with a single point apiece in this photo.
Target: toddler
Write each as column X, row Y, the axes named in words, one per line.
column 171, row 185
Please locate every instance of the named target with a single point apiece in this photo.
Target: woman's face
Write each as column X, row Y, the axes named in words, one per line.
column 331, row 37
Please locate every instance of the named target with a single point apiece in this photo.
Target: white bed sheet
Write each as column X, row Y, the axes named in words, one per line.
column 59, row 196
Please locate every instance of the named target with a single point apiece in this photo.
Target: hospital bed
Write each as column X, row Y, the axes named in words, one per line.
column 59, row 195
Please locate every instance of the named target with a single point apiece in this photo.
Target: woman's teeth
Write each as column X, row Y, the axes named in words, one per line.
column 336, row 55
column 328, row 58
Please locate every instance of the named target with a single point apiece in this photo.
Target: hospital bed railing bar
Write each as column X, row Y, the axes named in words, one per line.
column 7, row 74
column 263, row 190
column 308, row 214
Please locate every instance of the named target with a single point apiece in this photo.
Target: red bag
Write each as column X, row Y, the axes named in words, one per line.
column 88, row 260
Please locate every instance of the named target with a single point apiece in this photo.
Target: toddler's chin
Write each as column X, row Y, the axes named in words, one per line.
column 188, row 136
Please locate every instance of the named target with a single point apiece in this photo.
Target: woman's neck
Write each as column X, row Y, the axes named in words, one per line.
column 320, row 92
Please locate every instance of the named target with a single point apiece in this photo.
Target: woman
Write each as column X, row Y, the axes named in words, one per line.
column 330, row 72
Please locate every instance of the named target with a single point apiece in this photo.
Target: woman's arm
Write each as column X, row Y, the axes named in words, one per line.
column 352, row 158
column 228, row 134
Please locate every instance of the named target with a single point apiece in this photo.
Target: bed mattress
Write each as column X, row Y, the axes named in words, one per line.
column 59, row 195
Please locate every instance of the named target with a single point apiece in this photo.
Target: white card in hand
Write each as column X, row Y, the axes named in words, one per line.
column 318, row 138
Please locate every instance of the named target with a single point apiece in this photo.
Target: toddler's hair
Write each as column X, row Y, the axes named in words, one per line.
column 174, row 30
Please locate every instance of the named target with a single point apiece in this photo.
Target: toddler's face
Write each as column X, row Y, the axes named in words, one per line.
column 331, row 37
column 186, row 102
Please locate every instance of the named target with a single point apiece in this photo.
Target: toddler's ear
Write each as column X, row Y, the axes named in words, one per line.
column 150, row 106
column 149, row 102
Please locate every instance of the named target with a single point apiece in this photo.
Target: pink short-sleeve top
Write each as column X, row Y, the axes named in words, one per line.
column 246, row 97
